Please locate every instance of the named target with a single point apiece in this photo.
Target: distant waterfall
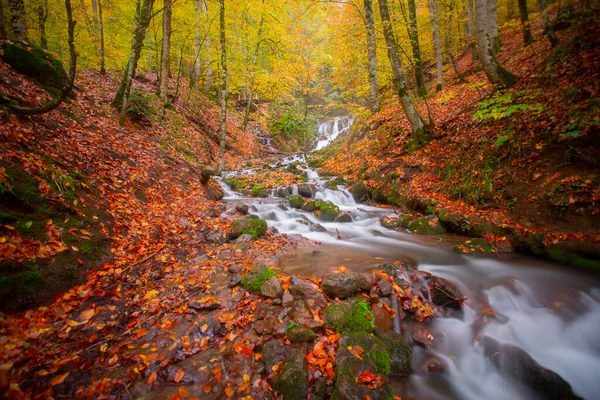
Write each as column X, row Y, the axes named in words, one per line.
column 330, row 130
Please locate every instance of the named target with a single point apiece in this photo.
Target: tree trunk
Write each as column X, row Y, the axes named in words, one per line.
column 471, row 22
column 3, row 34
column 179, row 65
column 497, row 75
column 142, row 20
column 166, row 50
column 372, row 55
column 437, row 42
column 72, row 70
column 221, row 161
column 416, row 48
column 42, row 11
column 101, row 32
column 17, row 19
column 527, row 38
column 419, row 132
column 208, row 84
column 548, row 29
column 149, row 46
column 198, row 47
column 254, row 62
column 492, row 25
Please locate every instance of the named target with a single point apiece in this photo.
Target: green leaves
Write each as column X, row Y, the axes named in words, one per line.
column 503, row 105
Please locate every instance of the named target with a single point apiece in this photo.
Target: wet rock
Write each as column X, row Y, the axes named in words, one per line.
column 218, row 238
column 259, row 327
column 384, row 288
column 432, row 366
column 270, row 323
column 267, row 261
column 475, row 246
column 383, row 320
column 251, row 226
column 324, row 210
column 429, row 225
column 400, row 352
column 296, row 201
column 255, row 278
column 242, row 208
column 318, row 228
column 377, row 233
column 291, row 381
column 343, row 217
column 297, row 333
column 213, row 328
column 417, row 276
column 310, row 293
column 359, row 191
column 235, row 269
column 213, row 192
column 204, row 306
column 445, row 293
column 282, row 207
column 307, row 190
column 271, row 288
column 287, row 299
column 274, row 351
column 366, row 280
column 341, row 285
column 516, row 363
column 425, row 338
column 349, row 316
column 245, row 238
column 283, row 192
column 390, row 222
column 374, row 357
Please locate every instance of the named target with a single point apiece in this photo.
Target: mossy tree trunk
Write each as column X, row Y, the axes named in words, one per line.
column 208, row 84
column 548, row 29
column 42, row 12
column 437, row 42
column 17, row 20
column 142, row 20
column 419, row 132
column 101, row 32
column 250, row 89
column 471, row 31
column 221, row 161
column 497, row 75
column 165, row 63
column 413, row 33
column 492, row 25
column 372, row 55
column 524, row 14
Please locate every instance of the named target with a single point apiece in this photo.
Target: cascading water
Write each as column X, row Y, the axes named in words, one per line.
column 550, row 312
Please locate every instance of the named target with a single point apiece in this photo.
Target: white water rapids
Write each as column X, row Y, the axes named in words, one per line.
column 549, row 311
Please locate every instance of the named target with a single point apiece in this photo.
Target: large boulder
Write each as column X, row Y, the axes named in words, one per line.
column 359, row 191
column 309, row 292
column 297, row 333
column 307, row 190
column 283, row 192
column 254, row 279
column 296, row 201
column 341, row 285
column 36, row 63
column 349, row 316
column 445, row 293
column 247, row 225
column 400, row 352
column 275, row 351
column 291, row 381
column 343, row 217
column 324, row 210
column 271, row 288
column 429, row 225
column 516, row 363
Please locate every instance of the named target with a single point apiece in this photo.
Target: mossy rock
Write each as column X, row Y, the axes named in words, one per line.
column 374, row 357
column 475, row 246
column 255, row 227
column 291, row 381
column 235, row 184
column 406, row 219
column 296, row 201
column 359, row 191
column 255, row 278
column 429, row 225
column 259, row 191
column 299, row 334
column 584, row 255
column 349, row 316
column 324, row 210
column 36, row 63
column 400, row 352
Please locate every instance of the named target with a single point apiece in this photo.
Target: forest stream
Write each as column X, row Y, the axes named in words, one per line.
column 549, row 312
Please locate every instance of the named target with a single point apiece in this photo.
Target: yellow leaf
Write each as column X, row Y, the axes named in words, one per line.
column 59, row 379
column 72, row 323
column 228, row 391
column 87, row 314
column 151, row 294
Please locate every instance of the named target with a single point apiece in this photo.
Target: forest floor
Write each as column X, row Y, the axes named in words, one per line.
column 121, row 212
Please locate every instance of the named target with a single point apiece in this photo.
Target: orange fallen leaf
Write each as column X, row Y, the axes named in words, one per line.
column 59, row 379
column 179, row 375
column 151, row 378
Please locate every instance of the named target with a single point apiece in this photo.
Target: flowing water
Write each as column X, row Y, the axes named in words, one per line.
column 551, row 312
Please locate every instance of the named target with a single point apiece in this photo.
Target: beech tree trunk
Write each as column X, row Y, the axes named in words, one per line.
column 42, row 11
column 149, row 49
column 221, row 161
column 497, row 75
column 472, row 34
column 527, row 38
column 372, row 55
column 252, row 73
column 165, row 63
column 195, row 77
column 208, row 84
column 413, row 32
column 419, row 132
column 142, row 20
column 101, row 32
column 548, row 29
column 492, row 25
column 437, row 42
column 17, row 19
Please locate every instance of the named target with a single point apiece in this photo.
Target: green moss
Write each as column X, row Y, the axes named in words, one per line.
column 564, row 256
column 255, row 227
column 235, row 184
column 296, row 201
column 31, row 281
column 253, row 281
column 36, row 63
column 325, row 210
column 382, row 361
column 299, row 334
column 424, row 227
column 291, row 381
column 349, row 316
column 259, row 191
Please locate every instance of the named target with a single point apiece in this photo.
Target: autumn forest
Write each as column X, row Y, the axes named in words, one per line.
column 299, row 199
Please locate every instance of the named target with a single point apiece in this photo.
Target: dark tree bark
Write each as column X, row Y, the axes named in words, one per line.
column 42, row 11
column 101, row 32
column 221, row 161
column 527, row 38
column 413, row 33
column 437, row 42
column 142, row 20
column 372, row 55
column 72, row 71
column 2, row 22
column 419, row 132
column 166, row 50
column 17, row 19
column 548, row 29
